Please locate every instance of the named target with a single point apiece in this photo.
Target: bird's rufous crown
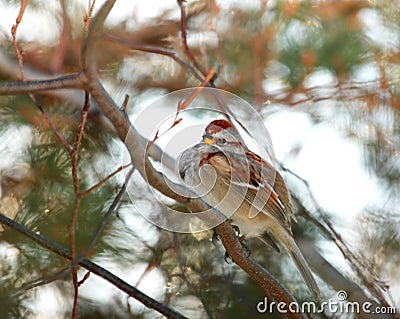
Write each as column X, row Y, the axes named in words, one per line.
column 217, row 126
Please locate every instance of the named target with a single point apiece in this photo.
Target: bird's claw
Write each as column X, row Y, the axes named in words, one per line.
column 227, row 257
column 237, row 230
column 241, row 238
column 215, row 238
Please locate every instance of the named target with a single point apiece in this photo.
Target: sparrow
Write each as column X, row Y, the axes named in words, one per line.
column 246, row 188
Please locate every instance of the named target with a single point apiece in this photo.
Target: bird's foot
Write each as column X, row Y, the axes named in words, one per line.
column 241, row 238
column 215, row 238
column 237, row 230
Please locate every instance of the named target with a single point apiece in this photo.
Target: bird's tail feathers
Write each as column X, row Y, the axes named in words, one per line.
column 303, row 268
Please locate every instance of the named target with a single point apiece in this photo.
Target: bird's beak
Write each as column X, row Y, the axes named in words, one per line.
column 208, row 139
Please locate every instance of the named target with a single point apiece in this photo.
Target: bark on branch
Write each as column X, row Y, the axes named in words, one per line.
column 92, row 267
column 135, row 146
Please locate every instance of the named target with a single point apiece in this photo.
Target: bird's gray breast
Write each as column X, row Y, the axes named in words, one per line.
column 188, row 163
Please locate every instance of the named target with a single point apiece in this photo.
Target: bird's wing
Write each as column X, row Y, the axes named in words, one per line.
column 269, row 179
column 264, row 188
column 257, row 181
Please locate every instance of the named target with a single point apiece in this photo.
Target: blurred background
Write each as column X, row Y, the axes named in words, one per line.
column 323, row 75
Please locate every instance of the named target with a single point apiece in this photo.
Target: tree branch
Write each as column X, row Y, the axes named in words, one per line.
column 156, row 50
column 136, row 148
column 78, row 198
column 357, row 262
column 70, row 81
column 92, row 267
column 53, row 87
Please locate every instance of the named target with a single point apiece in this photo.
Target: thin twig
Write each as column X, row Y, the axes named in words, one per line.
column 97, row 185
column 185, row 45
column 14, row 28
column 92, row 267
column 64, row 41
column 51, row 124
column 124, row 105
column 85, row 277
column 155, row 50
column 190, row 99
column 182, row 106
column 128, row 133
column 62, row 273
column 354, row 90
column 182, row 264
column 78, row 141
column 107, row 215
column 70, row 81
column 42, row 281
column 22, row 75
column 258, row 51
column 74, row 217
column 88, row 17
column 356, row 261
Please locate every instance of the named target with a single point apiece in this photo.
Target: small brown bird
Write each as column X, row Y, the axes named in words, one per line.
column 245, row 188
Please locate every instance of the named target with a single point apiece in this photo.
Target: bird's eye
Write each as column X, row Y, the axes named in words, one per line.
column 223, row 141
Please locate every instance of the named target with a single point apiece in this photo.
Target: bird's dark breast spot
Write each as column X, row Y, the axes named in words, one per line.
column 206, row 159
